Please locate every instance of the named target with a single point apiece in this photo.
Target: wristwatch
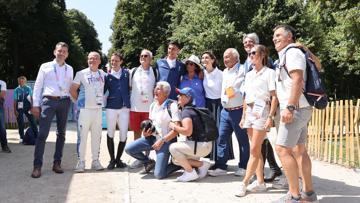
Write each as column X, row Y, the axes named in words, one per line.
column 271, row 117
column 291, row 107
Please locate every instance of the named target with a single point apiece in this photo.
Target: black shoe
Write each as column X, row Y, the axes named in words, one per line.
column 148, row 167
column 111, row 165
column 120, row 164
column 6, row 149
column 272, row 176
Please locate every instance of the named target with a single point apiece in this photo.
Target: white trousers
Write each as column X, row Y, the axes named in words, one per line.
column 90, row 120
column 121, row 118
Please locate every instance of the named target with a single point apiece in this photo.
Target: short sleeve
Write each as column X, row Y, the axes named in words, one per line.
column 295, row 60
column 15, row 94
column 77, row 79
column 175, row 115
column 271, row 80
column 3, row 85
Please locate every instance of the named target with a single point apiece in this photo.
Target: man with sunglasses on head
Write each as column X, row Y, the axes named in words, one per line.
column 294, row 117
column 170, row 69
column 142, row 83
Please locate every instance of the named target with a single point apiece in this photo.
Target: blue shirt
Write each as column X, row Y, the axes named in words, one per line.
column 197, row 85
column 21, row 94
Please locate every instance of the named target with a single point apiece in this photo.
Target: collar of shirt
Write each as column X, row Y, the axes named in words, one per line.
column 117, row 74
column 282, row 52
column 58, row 65
column 186, row 77
column 171, row 62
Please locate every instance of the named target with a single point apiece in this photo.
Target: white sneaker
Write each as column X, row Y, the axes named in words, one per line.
column 242, row 191
column 203, row 169
column 240, row 172
column 188, row 176
column 256, row 187
column 95, row 165
column 20, row 141
column 80, row 167
column 280, row 183
column 136, row 164
column 217, row 172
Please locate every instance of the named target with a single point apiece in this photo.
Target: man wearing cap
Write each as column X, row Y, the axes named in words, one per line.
column 162, row 112
column 191, row 79
column 52, row 97
column 184, row 152
column 232, row 101
column 170, row 69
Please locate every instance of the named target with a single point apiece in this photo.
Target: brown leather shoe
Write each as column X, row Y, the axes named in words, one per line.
column 36, row 173
column 57, row 168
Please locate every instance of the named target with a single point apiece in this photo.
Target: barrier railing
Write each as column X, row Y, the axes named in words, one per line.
column 333, row 133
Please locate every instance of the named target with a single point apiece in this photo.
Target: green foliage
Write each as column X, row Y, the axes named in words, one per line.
column 29, row 30
column 139, row 25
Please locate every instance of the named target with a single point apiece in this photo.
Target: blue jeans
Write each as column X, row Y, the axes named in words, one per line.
column 229, row 122
column 3, row 139
column 50, row 108
column 20, row 120
column 162, row 167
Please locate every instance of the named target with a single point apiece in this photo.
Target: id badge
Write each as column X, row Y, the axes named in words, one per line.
column 230, row 92
column 144, row 98
column 20, row 105
column 258, row 108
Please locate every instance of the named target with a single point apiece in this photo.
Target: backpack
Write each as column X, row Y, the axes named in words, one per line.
column 29, row 137
column 209, row 130
column 154, row 71
column 314, row 90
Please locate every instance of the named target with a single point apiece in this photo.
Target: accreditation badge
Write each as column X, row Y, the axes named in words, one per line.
column 20, row 105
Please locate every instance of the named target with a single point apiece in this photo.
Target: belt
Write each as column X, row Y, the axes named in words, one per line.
column 56, row 97
column 234, row 108
column 252, row 104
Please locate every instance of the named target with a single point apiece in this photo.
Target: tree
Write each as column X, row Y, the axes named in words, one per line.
column 139, row 25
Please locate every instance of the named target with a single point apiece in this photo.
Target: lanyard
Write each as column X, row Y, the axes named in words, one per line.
column 57, row 78
column 23, row 92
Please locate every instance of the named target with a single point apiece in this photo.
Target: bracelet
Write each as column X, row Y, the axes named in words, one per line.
column 271, row 117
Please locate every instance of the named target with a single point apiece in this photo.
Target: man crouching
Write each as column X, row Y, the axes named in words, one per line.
column 162, row 112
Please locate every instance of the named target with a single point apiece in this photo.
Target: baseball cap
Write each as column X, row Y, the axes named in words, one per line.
column 188, row 91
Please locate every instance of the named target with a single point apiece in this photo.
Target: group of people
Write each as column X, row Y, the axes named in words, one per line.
column 245, row 99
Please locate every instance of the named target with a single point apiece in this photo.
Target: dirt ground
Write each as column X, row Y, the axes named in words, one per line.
column 332, row 183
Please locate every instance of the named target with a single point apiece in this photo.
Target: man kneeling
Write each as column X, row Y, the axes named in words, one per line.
column 162, row 112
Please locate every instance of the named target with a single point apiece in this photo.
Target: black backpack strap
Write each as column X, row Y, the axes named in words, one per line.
column 133, row 73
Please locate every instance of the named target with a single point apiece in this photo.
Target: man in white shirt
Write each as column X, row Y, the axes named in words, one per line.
column 51, row 97
column 232, row 101
column 91, row 82
column 3, row 139
column 295, row 113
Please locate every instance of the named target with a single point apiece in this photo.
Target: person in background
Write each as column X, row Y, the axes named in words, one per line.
column 117, row 108
column 183, row 151
column 191, row 79
column 3, row 139
column 22, row 105
column 170, row 68
column 260, row 108
column 142, row 83
column 91, row 83
column 52, row 97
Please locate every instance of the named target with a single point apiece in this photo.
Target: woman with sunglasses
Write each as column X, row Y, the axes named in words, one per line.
column 261, row 103
column 191, row 79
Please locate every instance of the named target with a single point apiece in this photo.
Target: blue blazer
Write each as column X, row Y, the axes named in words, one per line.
column 119, row 91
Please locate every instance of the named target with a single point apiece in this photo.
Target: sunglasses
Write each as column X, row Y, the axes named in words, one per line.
column 144, row 56
column 252, row 53
column 190, row 63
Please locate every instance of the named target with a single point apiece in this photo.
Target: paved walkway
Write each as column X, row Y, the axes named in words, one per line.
column 332, row 183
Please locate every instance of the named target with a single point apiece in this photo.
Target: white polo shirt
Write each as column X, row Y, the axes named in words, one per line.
column 259, row 84
column 160, row 116
column 212, row 83
column 295, row 60
column 142, row 89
